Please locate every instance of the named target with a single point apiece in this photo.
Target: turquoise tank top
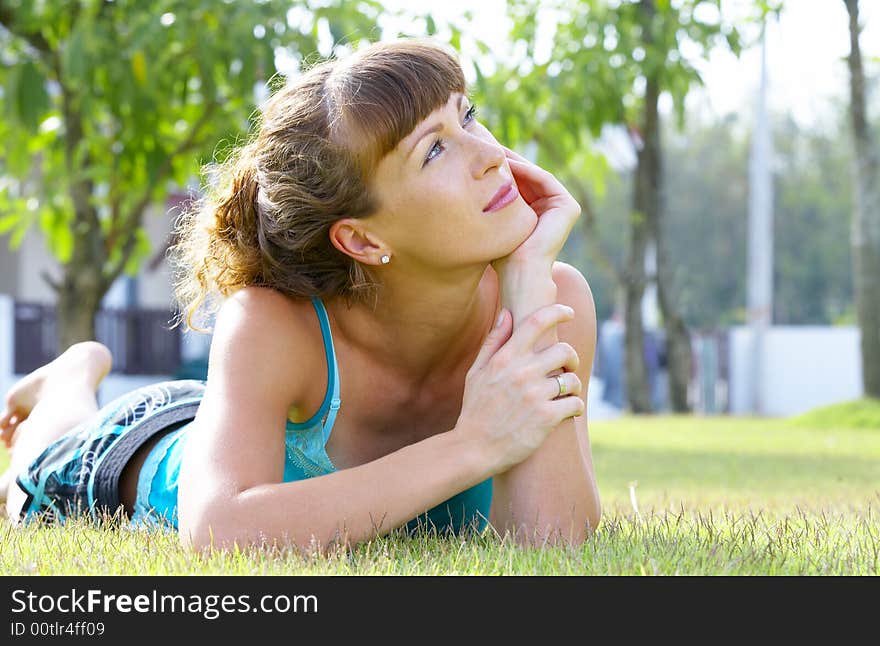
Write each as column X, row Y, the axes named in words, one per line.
column 305, row 457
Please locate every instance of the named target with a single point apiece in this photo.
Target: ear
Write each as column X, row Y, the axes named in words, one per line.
column 349, row 236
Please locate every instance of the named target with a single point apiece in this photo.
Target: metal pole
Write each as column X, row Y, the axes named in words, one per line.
column 760, row 249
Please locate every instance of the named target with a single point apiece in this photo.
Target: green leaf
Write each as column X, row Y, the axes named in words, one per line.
column 32, row 100
column 74, row 56
column 10, row 92
column 18, row 235
column 59, row 236
column 8, row 222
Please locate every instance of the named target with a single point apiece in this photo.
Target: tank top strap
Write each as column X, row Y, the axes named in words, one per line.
column 332, row 369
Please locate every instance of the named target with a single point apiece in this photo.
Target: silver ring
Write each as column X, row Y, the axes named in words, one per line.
column 561, row 383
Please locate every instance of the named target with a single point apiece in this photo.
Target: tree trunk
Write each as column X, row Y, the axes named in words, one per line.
column 678, row 342
column 83, row 284
column 79, row 297
column 865, row 229
column 637, row 393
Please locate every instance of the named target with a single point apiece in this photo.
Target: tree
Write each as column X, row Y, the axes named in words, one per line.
column 610, row 64
column 707, row 224
column 865, row 223
column 111, row 104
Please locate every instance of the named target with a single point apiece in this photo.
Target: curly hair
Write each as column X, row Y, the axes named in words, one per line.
column 266, row 211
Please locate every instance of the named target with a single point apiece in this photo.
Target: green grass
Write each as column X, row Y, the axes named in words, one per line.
column 681, row 496
column 860, row 413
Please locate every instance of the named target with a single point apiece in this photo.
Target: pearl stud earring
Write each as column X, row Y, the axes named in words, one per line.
column 386, row 259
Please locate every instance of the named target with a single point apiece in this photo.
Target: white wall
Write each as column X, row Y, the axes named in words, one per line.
column 33, row 259
column 803, row 367
column 7, row 347
column 154, row 287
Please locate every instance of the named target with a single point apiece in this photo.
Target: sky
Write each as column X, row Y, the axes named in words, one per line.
column 805, row 54
column 806, row 64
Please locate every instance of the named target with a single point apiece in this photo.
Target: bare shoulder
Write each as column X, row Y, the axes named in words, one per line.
column 264, row 313
column 256, row 333
column 261, row 305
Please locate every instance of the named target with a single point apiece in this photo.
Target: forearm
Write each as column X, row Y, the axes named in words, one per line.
column 351, row 505
column 526, row 288
column 552, row 493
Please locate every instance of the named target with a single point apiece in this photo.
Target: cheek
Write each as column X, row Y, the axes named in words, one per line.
column 420, row 199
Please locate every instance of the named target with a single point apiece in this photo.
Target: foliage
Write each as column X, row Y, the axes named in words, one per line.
column 707, row 218
column 813, row 266
column 594, row 73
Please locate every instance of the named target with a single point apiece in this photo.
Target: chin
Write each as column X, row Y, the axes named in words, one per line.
column 519, row 231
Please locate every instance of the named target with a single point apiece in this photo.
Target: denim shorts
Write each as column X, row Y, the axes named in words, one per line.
column 79, row 472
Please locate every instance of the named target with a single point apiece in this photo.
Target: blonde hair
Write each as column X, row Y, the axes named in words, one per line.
column 265, row 216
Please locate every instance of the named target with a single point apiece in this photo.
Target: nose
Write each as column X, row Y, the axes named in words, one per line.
column 488, row 154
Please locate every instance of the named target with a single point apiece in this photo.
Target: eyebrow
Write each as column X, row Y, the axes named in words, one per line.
column 434, row 128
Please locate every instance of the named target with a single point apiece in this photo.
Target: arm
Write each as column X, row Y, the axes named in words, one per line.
column 231, row 490
column 553, row 493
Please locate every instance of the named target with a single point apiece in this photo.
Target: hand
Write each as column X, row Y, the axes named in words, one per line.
column 556, row 209
column 510, row 404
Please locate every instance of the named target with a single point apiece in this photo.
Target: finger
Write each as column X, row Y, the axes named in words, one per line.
column 535, row 183
column 512, row 154
column 540, row 178
column 8, row 424
column 559, row 355
column 571, row 385
column 9, row 420
column 566, row 407
column 533, row 327
column 496, row 338
column 524, row 185
column 555, row 389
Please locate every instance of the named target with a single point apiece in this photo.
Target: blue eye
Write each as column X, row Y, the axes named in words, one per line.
column 437, row 146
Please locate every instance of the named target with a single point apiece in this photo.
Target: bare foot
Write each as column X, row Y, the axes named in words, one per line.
column 87, row 360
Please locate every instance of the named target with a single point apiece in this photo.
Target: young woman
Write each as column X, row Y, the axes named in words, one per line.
column 358, row 253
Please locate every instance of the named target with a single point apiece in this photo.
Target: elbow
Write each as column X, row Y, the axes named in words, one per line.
column 593, row 520
column 593, row 516
column 197, row 537
column 207, row 529
column 588, row 523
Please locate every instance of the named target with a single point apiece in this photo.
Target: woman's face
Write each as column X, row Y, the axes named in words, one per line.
column 434, row 188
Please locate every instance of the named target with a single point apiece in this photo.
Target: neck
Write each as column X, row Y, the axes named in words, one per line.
column 423, row 328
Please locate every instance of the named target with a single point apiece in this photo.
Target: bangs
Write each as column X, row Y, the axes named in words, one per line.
column 380, row 96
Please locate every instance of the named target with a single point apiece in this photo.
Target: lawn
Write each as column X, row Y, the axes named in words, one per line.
column 681, row 496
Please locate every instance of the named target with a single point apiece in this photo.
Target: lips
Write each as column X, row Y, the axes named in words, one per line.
column 505, row 195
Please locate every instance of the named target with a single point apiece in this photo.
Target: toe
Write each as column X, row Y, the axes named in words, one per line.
column 8, row 424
